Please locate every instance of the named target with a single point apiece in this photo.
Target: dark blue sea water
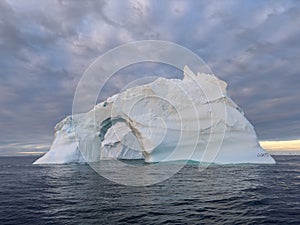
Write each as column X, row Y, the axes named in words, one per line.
column 75, row 194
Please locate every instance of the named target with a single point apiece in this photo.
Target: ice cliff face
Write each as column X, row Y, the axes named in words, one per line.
column 168, row 119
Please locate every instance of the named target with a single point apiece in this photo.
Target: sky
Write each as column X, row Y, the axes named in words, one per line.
column 45, row 47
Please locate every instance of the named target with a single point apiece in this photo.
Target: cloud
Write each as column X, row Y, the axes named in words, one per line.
column 13, row 149
column 45, row 48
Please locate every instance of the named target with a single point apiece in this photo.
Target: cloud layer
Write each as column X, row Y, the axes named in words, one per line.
column 46, row 46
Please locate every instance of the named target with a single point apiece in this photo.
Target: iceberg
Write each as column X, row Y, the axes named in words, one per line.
column 165, row 120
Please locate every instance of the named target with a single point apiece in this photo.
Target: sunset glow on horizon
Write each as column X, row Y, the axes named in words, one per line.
column 291, row 145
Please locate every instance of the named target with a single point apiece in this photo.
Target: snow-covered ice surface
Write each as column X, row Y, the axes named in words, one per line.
column 166, row 120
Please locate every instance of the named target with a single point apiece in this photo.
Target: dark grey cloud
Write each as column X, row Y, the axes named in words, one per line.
column 46, row 46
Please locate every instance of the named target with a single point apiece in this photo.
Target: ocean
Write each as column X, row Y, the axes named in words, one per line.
column 75, row 194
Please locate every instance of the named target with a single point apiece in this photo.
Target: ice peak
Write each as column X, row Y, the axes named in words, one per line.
column 188, row 73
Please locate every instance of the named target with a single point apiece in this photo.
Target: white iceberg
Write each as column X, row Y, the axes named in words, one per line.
column 166, row 120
